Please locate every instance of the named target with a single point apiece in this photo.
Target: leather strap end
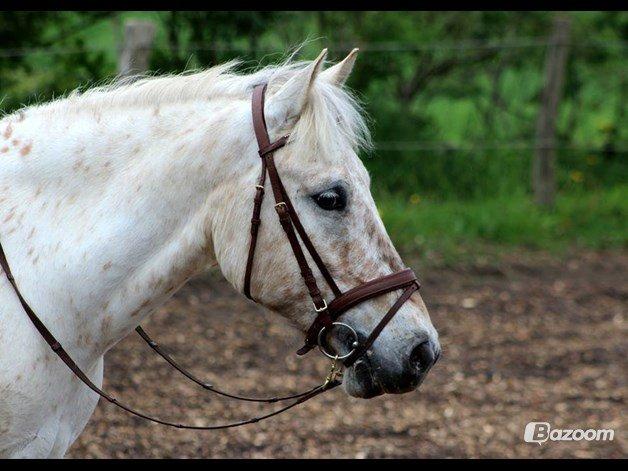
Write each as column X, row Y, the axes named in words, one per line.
column 304, row 349
column 278, row 144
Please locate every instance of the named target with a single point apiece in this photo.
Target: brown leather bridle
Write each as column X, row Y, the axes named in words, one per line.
column 327, row 314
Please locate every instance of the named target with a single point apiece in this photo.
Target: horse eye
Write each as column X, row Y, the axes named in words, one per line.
column 333, row 199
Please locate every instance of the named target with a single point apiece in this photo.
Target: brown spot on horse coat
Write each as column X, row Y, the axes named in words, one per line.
column 139, row 309
column 8, row 131
column 85, row 340
column 105, row 326
column 4, row 150
column 26, row 149
column 9, row 216
column 106, row 266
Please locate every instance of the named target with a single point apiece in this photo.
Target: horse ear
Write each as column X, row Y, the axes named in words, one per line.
column 339, row 73
column 287, row 103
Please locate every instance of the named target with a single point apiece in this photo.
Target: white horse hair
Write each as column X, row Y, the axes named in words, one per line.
column 111, row 199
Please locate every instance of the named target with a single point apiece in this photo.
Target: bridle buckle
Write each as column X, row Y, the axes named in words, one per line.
column 320, row 309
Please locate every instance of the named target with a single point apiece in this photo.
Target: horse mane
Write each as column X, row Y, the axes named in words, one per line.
column 332, row 119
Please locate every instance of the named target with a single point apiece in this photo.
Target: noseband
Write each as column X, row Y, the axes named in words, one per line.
column 327, row 315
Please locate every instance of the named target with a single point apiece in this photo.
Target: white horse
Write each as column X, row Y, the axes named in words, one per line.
column 111, row 199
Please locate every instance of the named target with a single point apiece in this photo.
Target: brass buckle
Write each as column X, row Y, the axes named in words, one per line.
column 333, row 372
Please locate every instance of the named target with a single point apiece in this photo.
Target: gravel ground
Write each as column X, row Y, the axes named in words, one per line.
column 536, row 339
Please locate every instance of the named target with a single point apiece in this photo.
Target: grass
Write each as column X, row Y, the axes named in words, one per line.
column 447, row 230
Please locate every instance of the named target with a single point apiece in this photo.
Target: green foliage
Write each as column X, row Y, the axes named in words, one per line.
column 453, row 96
column 45, row 54
column 596, row 219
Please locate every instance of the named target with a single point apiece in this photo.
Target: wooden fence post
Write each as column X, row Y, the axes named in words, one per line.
column 544, row 161
column 135, row 52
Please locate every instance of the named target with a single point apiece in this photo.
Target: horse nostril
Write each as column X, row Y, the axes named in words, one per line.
column 423, row 356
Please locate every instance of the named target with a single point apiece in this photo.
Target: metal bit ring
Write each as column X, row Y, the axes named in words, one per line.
column 323, row 348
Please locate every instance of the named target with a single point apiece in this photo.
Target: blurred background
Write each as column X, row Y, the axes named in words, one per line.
column 456, row 99
column 500, row 170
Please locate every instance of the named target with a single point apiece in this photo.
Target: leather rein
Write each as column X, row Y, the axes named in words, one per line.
column 327, row 314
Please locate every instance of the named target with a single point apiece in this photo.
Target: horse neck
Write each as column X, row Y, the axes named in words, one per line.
column 112, row 208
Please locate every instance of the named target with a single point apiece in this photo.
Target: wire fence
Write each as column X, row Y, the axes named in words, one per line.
column 383, row 47
column 442, row 146
column 373, row 47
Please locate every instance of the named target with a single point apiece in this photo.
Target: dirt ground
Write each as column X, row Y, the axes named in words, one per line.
column 538, row 339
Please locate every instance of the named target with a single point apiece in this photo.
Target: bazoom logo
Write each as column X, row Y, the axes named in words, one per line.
column 540, row 432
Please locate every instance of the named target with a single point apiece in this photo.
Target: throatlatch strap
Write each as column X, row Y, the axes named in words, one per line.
column 255, row 223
